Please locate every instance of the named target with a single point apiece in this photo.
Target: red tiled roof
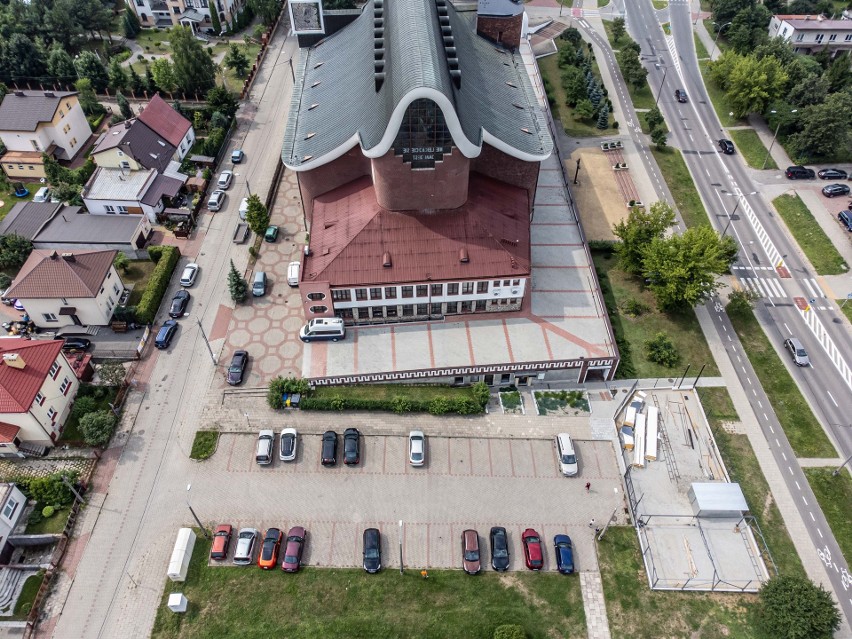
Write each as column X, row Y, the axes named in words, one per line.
column 8, row 432
column 18, row 387
column 163, row 119
column 46, row 274
column 350, row 234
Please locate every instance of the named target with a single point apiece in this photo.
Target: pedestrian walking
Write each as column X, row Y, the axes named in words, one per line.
column 588, row 486
column 424, row 573
column 597, row 531
column 592, row 523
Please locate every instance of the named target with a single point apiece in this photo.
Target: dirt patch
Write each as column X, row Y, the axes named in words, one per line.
column 599, row 200
column 509, row 580
column 767, row 504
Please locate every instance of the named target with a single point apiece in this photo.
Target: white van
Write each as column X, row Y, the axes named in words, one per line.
column 323, row 328
column 243, row 208
column 265, row 447
column 293, row 273
column 42, row 195
column 567, row 456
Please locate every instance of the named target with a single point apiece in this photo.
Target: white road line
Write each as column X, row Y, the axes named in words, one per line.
column 819, row 532
column 804, row 500
column 783, row 455
column 832, row 399
column 776, row 286
column 797, row 485
column 771, row 430
column 810, row 288
column 788, row 328
column 812, row 516
column 748, row 379
column 759, row 403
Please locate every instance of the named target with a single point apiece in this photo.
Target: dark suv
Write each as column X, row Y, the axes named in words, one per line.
column 680, row 96
column 351, row 446
column 833, row 190
column 845, row 218
column 727, row 146
column 799, row 173
column 329, row 448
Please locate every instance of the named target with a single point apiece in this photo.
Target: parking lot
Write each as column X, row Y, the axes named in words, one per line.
column 467, row 483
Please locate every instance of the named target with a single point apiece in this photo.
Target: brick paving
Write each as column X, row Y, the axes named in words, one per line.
column 594, row 605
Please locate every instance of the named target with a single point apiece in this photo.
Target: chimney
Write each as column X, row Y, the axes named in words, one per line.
column 49, row 94
column 386, row 260
column 463, row 256
column 68, row 257
column 54, row 255
column 14, row 360
column 127, row 124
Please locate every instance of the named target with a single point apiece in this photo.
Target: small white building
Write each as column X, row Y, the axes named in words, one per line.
column 125, row 192
column 811, row 34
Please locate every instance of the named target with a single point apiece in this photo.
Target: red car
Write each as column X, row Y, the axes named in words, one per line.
column 268, row 557
column 533, row 556
column 221, row 542
column 293, row 549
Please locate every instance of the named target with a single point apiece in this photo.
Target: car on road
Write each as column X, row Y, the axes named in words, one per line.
column 237, row 369
column 328, row 456
column 74, row 344
column 799, row 172
column 271, row 234
column 680, row 96
column 179, row 303
column 372, row 550
column 833, row 190
column 351, row 446
column 564, row 554
column 287, row 445
column 225, row 179
column 221, row 542
column 216, row 200
column 470, row 552
column 237, row 156
column 190, row 273
column 832, row 174
column 268, row 557
column 293, row 549
column 567, row 455
column 246, row 540
column 727, row 146
column 533, row 556
column 797, row 351
column 845, row 218
column 499, row 549
column 166, row 334
column 416, row 448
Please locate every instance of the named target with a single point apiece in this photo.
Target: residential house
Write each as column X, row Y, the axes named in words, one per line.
column 37, row 388
column 160, row 117
column 80, row 288
column 810, row 34
column 36, row 122
column 164, row 14
column 12, row 505
column 126, row 192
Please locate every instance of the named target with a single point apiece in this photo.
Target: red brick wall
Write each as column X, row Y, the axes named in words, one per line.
column 315, row 287
column 503, row 30
column 328, row 177
column 496, row 164
column 399, row 188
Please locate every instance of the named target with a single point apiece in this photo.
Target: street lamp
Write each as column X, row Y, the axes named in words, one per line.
column 766, row 159
column 718, row 33
column 662, row 82
column 197, row 520
column 837, row 470
column 732, row 213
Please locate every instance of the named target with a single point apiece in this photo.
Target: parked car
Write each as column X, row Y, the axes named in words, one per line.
column 190, row 272
column 289, row 441
column 237, row 369
column 237, row 156
column 179, row 303
column 351, row 446
column 499, row 549
column 799, row 172
column 845, row 218
column 18, row 305
column 567, row 456
column 832, row 174
column 533, row 556
column 727, row 146
column 564, row 554
column 416, row 448
column 258, row 285
column 216, row 200
column 246, row 540
column 271, row 234
column 73, row 344
column 470, row 552
column 42, row 195
column 166, row 334
column 225, row 179
column 833, row 190
column 268, row 557
column 265, row 447
column 680, row 96
column 328, row 457
column 293, row 549
column 221, row 542
column 797, row 351
column 372, row 550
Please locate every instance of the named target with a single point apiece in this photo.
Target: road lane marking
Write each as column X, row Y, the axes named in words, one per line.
column 832, row 398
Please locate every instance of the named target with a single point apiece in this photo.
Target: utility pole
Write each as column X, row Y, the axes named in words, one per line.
column 194, row 516
column 206, row 341
column 837, row 470
column 72, row 489
column 718, row 33
column 662, row 82
column 577, row 172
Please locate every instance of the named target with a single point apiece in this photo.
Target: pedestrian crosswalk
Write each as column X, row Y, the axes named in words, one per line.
column 764, row 287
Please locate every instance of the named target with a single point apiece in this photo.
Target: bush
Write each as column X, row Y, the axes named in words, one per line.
column 83, row 406
column 401, row 405
column 510, row 631
column 50, row 489
column 482, row 393
column 165, row 258
column 635, row 308
column 47, row 512
column 97, row 428
column 281, row 385
column 661, row 350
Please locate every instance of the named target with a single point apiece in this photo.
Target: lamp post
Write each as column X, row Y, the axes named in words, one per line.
column 718, row 33
column 662, row 82
column 197, row 520
column 777, row 128
column 734, row 212
column 837, row 470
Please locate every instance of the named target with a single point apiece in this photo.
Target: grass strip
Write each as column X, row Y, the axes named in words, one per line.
column 719, row 100
column 846, row 308
column 660, row 4
column 27, row 597
column 204, row 444
column 752, row 148
column 700, row 49
column 834, row 494
column 642, row 98
column 809, row 235
column 801, row 427
column 680, row 184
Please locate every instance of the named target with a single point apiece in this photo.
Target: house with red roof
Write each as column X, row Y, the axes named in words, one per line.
column 37, row 388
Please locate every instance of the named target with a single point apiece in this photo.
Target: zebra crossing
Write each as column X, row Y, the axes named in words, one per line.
column 764, row 287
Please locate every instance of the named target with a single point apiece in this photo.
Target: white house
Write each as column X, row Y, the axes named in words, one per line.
column 57, row 290
column 127, row 192
column 12, row 505
column 810, row 34
column 192, row 13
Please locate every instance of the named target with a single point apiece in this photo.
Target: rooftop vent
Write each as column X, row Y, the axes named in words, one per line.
column 386, row 260
column 14, row 360
column 464, row 258
column 54, row 255
column 127, row 124
column 69, row 257
column 49, row 94
column 20, row 94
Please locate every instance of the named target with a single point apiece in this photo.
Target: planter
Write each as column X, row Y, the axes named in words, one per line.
column 619, row 166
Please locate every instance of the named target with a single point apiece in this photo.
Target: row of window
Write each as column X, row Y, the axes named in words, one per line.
column 64, row 387
column 112, row 210
column 21, row 167
column 421, row 310
column 819, row 37
column 420, row 290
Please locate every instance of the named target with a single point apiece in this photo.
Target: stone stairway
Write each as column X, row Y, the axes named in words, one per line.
column 10, row 581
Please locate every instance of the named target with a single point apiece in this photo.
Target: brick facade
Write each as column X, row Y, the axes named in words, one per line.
column 350, row 166
column 505, row 30
column 500, row 166
column 401, row 188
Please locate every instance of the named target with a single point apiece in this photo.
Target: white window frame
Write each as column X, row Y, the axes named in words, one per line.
column 10, row 508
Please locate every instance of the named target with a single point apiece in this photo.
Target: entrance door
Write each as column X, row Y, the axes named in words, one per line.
column 489, row 380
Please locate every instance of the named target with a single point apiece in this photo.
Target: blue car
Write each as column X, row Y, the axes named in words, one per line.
column 167, row 332
column 564, row 554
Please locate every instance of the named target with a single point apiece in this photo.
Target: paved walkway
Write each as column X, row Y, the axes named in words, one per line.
column 594, row 605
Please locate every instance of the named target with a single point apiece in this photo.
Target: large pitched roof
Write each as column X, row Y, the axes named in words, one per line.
column 18, row 387
column 26, row 111
column 27, row 218
column 355, row 233
column 133, row 137
column 47, row 274
column 73, row 227
column 163, row 119
column 336, row 105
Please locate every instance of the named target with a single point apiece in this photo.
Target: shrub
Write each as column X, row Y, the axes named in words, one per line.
column 47, row 512
column 83, row 406
column 281, row 385
column 50, row 489
column 439, row 406
column 510, row 631
column 481, row 392
column 97, row 428
column 204, row 444
column 635, row 308
column 401, row 405
column 661, row 350
column 165, row 258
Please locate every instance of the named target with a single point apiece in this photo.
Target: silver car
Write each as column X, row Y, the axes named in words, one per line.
column 246, row 541
column 416, row 448
column 217, row 198
column 800, row 355
column 190, row 272
column 225, row 179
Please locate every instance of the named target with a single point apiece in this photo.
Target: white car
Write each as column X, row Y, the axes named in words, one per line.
column 416, row 448
column 225, row 179
column 190, row 272
column 217, row 198
column 246, row 540
column 289, row 442
column 243, row 208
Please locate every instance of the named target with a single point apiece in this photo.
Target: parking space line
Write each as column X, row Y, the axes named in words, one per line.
column 393, row 347
column 469, row 344
column 511, row 459
column 532, row 455
column 331, row 545
column 431, row 349
column 490, row 463
column 508, row 342
column 384, row 452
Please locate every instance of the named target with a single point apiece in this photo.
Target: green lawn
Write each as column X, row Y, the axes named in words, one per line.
column 834, row 495
column 680, row 184
column 682, row 328
column 700, row 49
column 153, row 41
column 9, row 200
column 644, row 125
column 809, row 235
column 137, row 274
column 71, row 433
column 847, row 309
column 801, row 427
column 51, row 525
column 660, row 4
column 750, row 146
column 326, row 603
column 602, row 3
column 743, row 468
column 667, row 26
column 720, row 101
column 204, row 444
column 636, row 612
column 27, row 596
column 386, row 392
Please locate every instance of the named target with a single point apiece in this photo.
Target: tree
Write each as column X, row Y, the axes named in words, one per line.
column 574, row 83
column 618, row 29
column 117, row 75
column 661, row 350
column 112, row 372
column 654, row 118
column 61, row 26
column 150, row 82
column 572, row 35
column 124, row 106
column 135, row 83
column 218, row 121
column 97, row 427
column 130, row 23
column 60, row 65
column 88, row 99
column 638, row 230
column 748, row 28
column 237, row 285
column 825, row 128
column 659, row 137
column 235, row 59
column 193, row 69
column 754, row 84
column 22, row 58
column 214, row 21
column 93, row 16
column 722, row 67
column 163, row 73
column 795, row 607
column 266, row 10
column 631, row 68
column 682, row 270
column 14, row 251
column 603, row 117
column 338, row 4
column 222, row 100
column 584, row 110
column 838, row 74
column 83, row 405
column 811, row 90
column 121, row 262
column 257, row 216
column 90, row 67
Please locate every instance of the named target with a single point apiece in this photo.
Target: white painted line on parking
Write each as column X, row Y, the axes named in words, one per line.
column 832, row 398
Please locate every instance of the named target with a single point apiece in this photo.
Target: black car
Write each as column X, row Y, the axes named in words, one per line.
column 832, row 174
column 833, row 190
column 179, row 302
column 499, row 549
column 564, row 554
column 329, row 448
column 799, row 172
column 845, row 218
column 727, row 146
column 680, row 96
column 238, row 367
column 73, row 344
column 351, row 446
column 372, row 550
column 166, row 334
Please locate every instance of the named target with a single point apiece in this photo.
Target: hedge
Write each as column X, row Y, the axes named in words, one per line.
column 398, row 404
column 166, row 259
